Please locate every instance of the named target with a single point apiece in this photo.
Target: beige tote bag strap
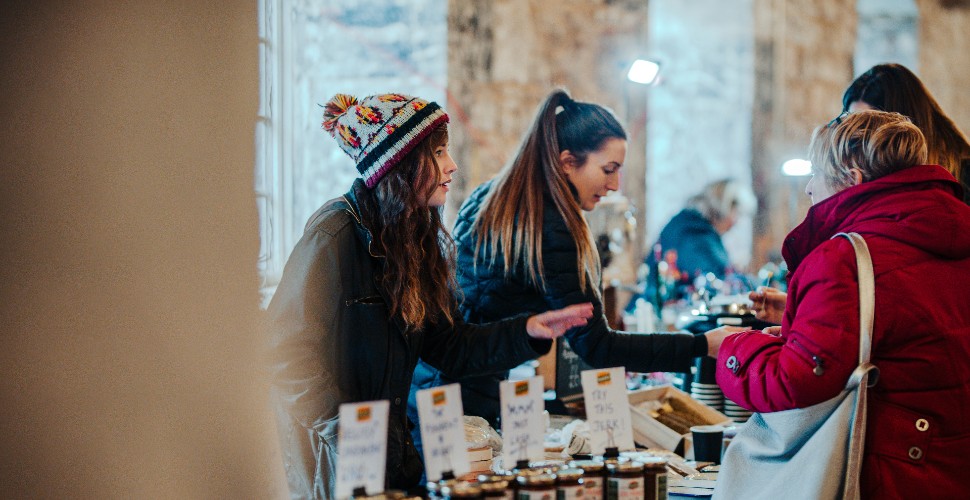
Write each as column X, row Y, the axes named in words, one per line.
column 860, row 379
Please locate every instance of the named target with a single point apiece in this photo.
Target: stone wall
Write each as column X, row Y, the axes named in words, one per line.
column 804, row 54
column 944, row 46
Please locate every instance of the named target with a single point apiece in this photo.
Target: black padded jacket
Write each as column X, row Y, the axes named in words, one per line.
column 489, row 295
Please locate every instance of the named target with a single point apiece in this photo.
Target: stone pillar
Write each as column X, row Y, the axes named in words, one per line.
column 804, row 53
column 700, row 113
column 943, row 47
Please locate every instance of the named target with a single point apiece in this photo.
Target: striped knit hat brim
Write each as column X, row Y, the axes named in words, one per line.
column 378, row 131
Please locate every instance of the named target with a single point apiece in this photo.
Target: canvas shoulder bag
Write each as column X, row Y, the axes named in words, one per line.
column 812, row 453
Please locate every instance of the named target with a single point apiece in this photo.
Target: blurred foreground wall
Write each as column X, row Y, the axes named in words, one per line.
column 131, row 351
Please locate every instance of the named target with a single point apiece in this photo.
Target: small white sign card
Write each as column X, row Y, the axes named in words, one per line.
column 607, row 409
column 523, row 423
column 443, row 431
column 361, row 443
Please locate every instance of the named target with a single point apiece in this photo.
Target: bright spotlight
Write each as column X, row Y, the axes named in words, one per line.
column 643, row 71
column 796, row 167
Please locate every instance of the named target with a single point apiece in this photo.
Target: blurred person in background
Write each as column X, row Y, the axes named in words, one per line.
column 690, row 244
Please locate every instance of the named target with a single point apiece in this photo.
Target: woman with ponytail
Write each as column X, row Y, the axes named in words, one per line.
column 524, row 246
column 369, row 289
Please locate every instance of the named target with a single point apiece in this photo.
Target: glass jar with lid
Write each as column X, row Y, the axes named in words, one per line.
column 594, row 478
column 624, row 481
column 536, row 487
column 569, row 485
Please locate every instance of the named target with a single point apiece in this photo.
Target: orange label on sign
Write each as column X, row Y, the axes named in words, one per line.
column 438, row 398
column 521, row 388
column 603, row 378
column 363, row 414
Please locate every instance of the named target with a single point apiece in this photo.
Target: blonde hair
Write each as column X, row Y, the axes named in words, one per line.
column 510, row 222
column 718, row 199
column 877, row 143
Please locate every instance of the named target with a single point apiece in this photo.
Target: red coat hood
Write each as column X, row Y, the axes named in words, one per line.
column 920, row 206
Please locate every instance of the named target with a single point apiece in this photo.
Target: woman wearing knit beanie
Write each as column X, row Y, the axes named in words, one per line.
column 524, row 245
column 369, row 289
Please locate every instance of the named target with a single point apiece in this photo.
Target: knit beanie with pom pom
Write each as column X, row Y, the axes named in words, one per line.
column 377, row 131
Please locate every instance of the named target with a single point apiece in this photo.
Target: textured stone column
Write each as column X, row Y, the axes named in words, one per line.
column 700, row 113
column 804, row 53
column 944, row 45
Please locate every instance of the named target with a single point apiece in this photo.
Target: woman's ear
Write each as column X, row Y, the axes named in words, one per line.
column 856, row 176
column 568, row 162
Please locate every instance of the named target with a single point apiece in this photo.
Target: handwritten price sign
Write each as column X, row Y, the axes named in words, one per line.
column 361, row 443
column 523, row 425
column 607, row 409
column 443, row 431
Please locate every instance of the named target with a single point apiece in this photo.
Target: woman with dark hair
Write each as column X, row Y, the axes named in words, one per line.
column 524, row 246
column 870, row 177
column 893, row 87
column 369, row 289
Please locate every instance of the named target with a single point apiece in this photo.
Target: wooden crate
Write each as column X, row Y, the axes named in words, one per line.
column 649, row 432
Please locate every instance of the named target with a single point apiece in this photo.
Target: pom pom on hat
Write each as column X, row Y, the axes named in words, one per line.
column 336, row 108
column 377, row 131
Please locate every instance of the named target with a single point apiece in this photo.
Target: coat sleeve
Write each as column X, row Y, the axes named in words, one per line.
column 466, row 349
column 818, row 348
column 596, row 343
column 301, row 319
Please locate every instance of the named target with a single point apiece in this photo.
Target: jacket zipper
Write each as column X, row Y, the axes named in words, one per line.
column 361, row 224
column 818, row 368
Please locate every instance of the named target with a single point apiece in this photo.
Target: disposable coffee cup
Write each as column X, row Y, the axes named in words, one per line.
column 707, row 442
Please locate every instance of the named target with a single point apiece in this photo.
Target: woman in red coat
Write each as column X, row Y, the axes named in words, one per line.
column 869, row 179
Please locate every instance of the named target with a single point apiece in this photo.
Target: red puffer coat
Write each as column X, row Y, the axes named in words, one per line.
column 918, row 232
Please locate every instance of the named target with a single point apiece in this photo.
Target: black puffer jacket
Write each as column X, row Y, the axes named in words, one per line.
column 335, row 342
column 489, row 296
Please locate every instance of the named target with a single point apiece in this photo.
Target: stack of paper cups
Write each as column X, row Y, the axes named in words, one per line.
column 735, row 412
column 709, row 394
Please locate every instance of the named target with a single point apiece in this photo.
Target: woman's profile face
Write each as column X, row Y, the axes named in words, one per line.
column 598, row 175
column 446, row 167
column 859, row 106
column 818, row 189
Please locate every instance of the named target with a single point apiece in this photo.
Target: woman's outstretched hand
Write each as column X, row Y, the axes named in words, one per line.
column 553, row 324
column 768, row 304
column 716, row 336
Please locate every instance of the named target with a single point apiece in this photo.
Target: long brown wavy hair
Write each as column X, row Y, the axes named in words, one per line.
column 510, row 222
column 893, row 87
column 419, row 275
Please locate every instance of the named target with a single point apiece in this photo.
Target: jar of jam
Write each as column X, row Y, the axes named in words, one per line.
column 569, row 485
column 536, row 487
column 516, row 474
column 624, row 481
column 461, row 490
column 594, row 478
column 655, row 478
column 497, row 490
column 549, row 466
